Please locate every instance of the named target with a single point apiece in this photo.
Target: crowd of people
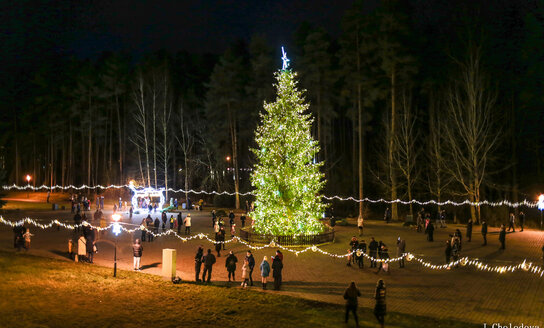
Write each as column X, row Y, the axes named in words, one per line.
column 378, row 252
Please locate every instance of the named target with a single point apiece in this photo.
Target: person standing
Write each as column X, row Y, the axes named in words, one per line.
column 521, row 218
column 172, row 222
column 373, row 251
column 387, row 215
column 18, row 238
column 156, row 225
column 384, row 255
column 401, row 249
column 351, row 296
column 251, row 265
column 230, row 264
column 511, row 222
column 430, row 231
column 198, row 262
column 502, row 236
column 243, row 220
column 222, row 233
column 77, row 221
column 484, row 232
column 360, row 257
column 353, row 244
column 443, row 219
column 218, row 244
column 360, row 222
column 245, row 274
column 469, row 229
column 380, row 307
column 448, row 251
column 187, row 222
column 149, row 225
column 214, row 218
column 231, row 218
column 137, row 250
column 277, row 266
column 265, row 271
column 209, row 261
column 26, row 237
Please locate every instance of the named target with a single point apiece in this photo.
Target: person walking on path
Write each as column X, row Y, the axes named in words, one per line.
column 230, row 264
column 443, row 219
column 265, row 271
column 502, row 236
column 511, row 222
column 245, row 274
column 521, row 218
column 214, row 219
column 430, row 231
column 351, row 295
column 209, row 261
column 448, row 251
column 198, row 262
column 222, row 233
column 251, row 265
column 484, row 232
column 218, row 244
column 380, row 307
column 26, row 237
column 187, row 222
column 373, row 251
column 360, row 223
column 277, row 266
column 156, row 225
column 469, row 229
column 401, row 249
column 137, row 250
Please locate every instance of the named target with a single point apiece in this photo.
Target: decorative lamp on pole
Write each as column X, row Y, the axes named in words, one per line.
column 116, row 229
column 540, row 206
column 28, row 178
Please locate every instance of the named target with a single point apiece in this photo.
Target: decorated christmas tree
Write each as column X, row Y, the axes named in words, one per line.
column 286, row 178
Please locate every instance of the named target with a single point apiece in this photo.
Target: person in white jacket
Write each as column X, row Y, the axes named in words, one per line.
column 187, row 222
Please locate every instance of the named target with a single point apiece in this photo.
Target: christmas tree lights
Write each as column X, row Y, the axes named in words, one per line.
column 286, row 178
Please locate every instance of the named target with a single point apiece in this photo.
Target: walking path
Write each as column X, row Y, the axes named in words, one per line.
column 464, row 294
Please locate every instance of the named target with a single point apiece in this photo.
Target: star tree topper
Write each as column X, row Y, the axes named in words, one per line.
column 285, row 59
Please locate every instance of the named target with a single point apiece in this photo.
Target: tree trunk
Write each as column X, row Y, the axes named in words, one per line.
column 234, row 140
column 90, row 145
column 360, row 126
column 119, row 134
column 392, row 176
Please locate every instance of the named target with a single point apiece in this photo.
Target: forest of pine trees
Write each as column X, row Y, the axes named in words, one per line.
column 406, row 106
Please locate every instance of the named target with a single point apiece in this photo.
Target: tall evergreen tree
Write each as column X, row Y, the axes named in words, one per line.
column 287, row 179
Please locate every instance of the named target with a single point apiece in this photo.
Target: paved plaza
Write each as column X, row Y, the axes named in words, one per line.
column 464, row 294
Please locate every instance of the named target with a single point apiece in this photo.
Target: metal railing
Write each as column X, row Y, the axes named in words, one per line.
column 300, row 240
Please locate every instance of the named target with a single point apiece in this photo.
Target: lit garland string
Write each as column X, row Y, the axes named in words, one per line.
column 525, row 203
column 465, row 261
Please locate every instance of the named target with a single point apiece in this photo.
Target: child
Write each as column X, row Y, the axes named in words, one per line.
column 245, row 277
column 27, row 236
column 233, row 229
column 71, row 249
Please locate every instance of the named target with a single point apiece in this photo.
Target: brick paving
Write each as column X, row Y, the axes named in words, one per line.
column 464, row 294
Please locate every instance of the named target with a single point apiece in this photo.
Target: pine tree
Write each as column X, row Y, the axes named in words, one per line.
column 287, row 177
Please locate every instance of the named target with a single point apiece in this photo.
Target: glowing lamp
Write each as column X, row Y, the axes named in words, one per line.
column 116, row 229
column 28, row 178
column 116, row 217
column 228, row 158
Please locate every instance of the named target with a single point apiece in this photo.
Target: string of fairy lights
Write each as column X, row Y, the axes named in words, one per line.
column 465, row 261
column 524, row 203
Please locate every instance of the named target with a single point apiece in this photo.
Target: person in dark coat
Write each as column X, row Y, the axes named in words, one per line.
column 459, row 236
column 77, row 221
column 430, row 231
column 198, row 262
column 89, row 247
column 469, row 229
column 180, row 223
column 231, row 218
column 243, row 220
column 387, row 215
column 502, row 236
column 448, row 251
column 380, row 307
column 214, row 217
column 156, row 225
column 149, row 225
column 351, row 296
column 484, row 232
column 251, row 264
column 277, row 266
column 218, row 244
column 521, row 218
column 142, row 228
column 401, row 249
column 18, row 232
column 222, row 233
column 353, row 245
column 230, row 264
column 209, row 261
column 373, row 251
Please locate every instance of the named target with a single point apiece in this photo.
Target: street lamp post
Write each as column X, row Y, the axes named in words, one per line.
column 28, row 178
column 540, row 205
column 116, row 229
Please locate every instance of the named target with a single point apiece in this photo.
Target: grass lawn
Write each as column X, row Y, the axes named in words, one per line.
column 41, row 292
